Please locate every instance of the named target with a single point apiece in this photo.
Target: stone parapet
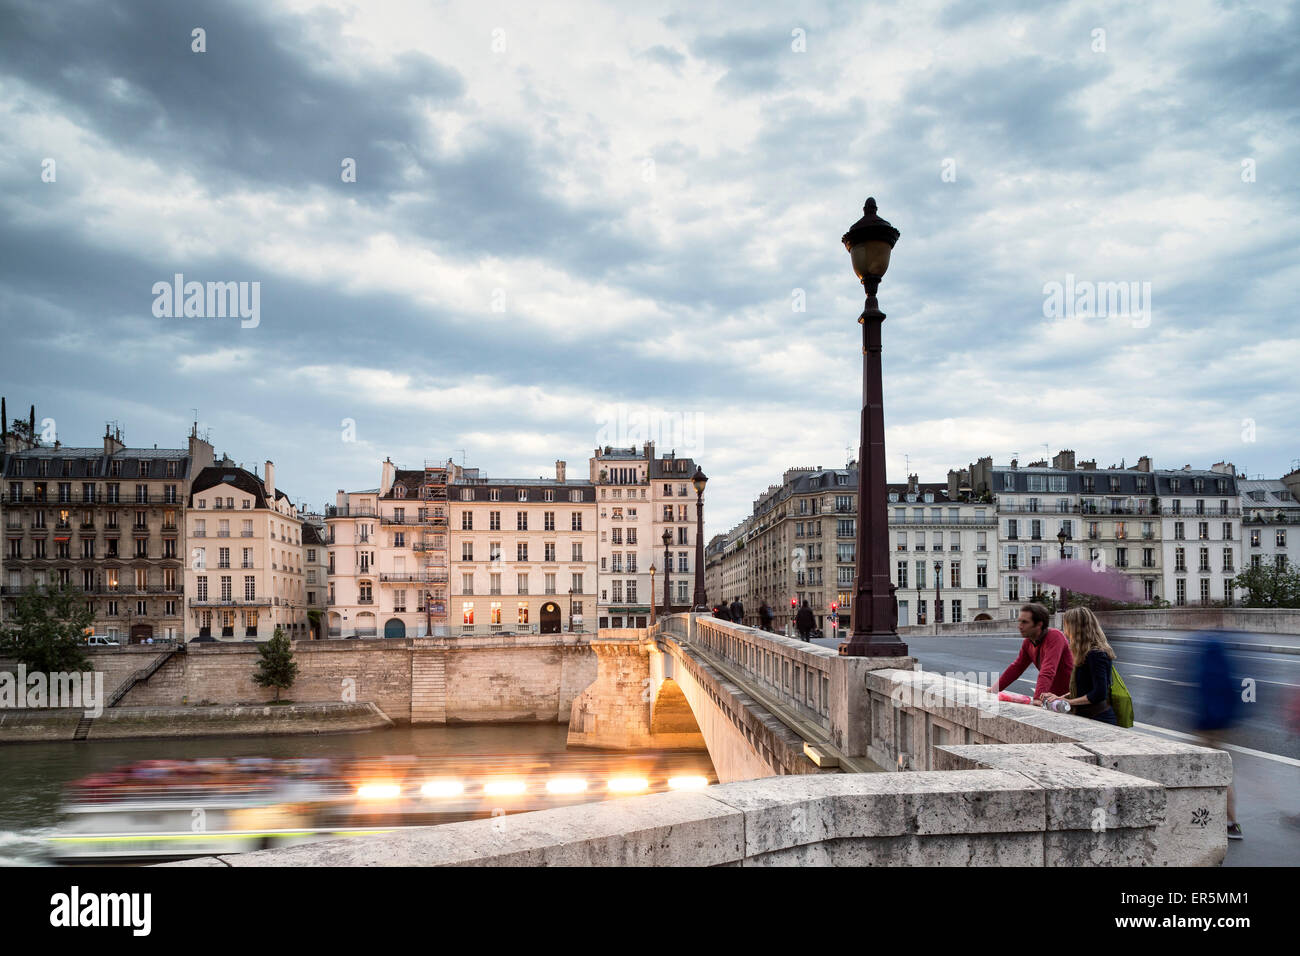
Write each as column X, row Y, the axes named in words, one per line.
column 1031, row 816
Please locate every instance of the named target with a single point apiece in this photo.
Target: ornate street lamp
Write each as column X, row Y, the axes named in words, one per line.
column 668, row 566
column 870, row 241
column 1062, row 537
column 652, row 594
column 699, row 480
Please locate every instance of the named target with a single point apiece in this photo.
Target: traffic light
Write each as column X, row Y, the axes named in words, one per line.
column 792, row 604
column 834, row 606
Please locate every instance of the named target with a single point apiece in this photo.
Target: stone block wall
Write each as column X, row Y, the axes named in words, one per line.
column 483, row 679
column 953, row 818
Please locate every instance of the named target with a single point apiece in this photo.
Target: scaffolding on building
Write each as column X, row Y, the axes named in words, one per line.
column 433, row 546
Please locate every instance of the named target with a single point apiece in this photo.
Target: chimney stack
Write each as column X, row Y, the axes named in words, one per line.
column 1144, row 463
column 112, row 442
column 559, row 471
column 1064, row 460
column 269, row 482
column 387, row 477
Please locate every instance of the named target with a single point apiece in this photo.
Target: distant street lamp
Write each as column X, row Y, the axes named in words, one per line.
column 668, row 566
column 570, row 610
column 699, row 480
column 652, row 594
column 938, row 588
column 1062, row 537
column 870, row 241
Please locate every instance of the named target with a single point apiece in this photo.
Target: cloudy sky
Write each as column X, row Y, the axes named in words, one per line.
column 581, row 223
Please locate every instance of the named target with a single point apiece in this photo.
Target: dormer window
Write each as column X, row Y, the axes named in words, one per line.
column 893, row 496
column 929, row 496
column 399, row 491
column 144, row 468
column 523, row 494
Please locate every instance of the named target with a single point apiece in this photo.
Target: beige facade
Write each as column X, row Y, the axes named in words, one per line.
column 642, row 495
column 523, row 553
column 244, row 576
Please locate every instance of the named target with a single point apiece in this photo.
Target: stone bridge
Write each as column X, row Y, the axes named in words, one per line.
column 794, row 731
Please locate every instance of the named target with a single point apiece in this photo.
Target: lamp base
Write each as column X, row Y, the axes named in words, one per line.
column 884, row 644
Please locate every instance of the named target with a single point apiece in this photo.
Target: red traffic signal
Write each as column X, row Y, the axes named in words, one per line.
column 834, row 606
column 792, row 602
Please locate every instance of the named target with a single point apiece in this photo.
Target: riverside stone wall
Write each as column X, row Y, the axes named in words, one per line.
column 491, row 678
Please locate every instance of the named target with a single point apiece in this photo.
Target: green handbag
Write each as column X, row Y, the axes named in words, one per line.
column 1120, row 699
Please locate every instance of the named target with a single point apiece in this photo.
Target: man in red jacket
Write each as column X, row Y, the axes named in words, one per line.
column 1044, row 647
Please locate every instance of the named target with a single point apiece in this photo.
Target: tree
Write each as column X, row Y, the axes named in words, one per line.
column 47, row 632
column 1269, row 586
column 22, row 428
column 277, row 668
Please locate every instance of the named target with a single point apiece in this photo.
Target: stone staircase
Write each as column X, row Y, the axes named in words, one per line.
column 143, row 674
column 83, row 728
column 429, row 687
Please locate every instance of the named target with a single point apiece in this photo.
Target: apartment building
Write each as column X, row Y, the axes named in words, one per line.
column 944, row 549
column 642, row 498
column 1270, row 524
column 1200, row 519
column 109, row 520
column 315, row 570
column 244, row 577
column 713, row 552
column 387, row 556
column 523, row 553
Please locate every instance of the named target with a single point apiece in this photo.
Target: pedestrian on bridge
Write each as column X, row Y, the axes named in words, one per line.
column 1217, row 701
column 737, row 611
column 765, row 616
column 1089, row 693
column 805, row 622
column 1044, row 647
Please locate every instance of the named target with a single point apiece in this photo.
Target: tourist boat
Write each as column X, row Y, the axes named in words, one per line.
column 159, row 810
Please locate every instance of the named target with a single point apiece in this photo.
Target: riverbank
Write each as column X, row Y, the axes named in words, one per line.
column 125, row 723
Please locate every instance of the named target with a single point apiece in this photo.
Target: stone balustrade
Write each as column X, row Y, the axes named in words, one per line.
column 795, row 672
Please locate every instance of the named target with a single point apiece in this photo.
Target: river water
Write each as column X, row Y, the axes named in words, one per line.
column 32, row 775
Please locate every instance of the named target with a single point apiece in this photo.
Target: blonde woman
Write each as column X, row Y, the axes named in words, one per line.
column 1090, row 683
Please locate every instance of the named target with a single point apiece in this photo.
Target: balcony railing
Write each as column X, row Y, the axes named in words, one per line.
column 254, row 602
column 990, row 521
column 350, row 512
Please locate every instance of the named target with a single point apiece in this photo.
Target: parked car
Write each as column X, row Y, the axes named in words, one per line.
column 98, row 640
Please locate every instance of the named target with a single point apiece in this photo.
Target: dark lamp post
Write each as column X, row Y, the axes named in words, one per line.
column 870, row 241
column 1062, row 537
column 668, row 566
column 699, row 480
column 652, row 594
